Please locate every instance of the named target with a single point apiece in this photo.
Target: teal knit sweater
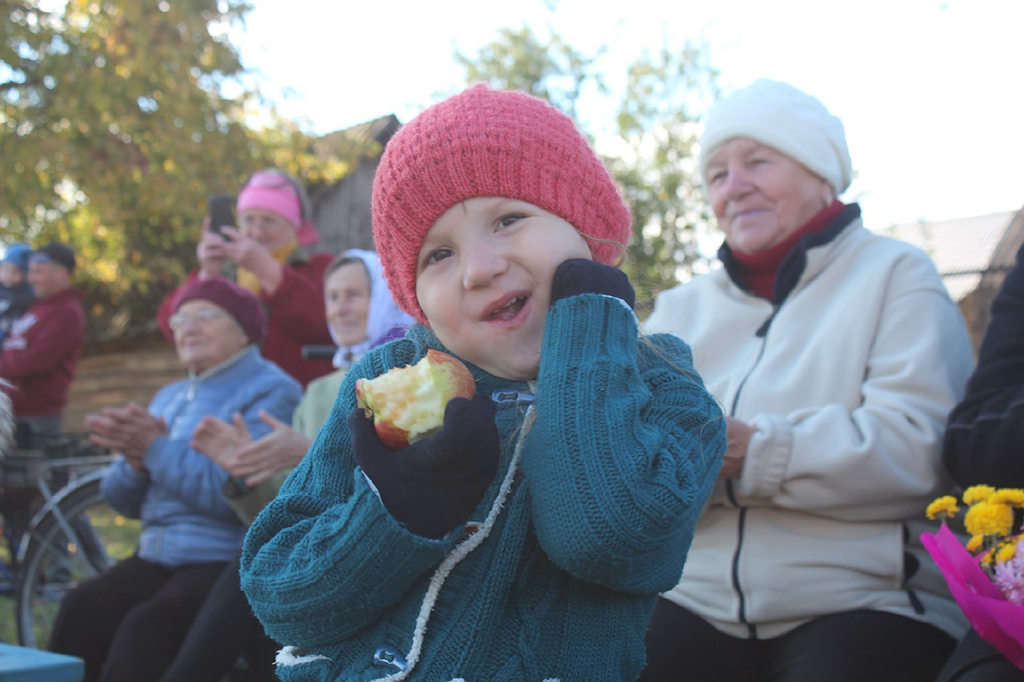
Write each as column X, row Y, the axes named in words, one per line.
column 598, row 515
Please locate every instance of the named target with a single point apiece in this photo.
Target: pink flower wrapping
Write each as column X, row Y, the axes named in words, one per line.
column 996, row 620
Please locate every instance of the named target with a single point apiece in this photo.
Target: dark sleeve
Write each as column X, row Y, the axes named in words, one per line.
column 984, row 440
column 328, row 543
column 297, row 305
column 625, row 449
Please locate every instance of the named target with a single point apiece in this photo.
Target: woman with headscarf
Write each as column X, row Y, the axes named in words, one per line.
column 361, row 315
column 128, row 622
column 837, row 354
column 267, row 254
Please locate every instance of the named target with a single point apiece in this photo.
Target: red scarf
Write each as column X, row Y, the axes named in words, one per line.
column 758, row 269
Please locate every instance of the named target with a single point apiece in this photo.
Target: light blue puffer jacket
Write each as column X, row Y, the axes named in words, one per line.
column 184, row 516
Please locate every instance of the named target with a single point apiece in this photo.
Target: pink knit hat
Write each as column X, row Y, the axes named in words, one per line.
column 272, row 190
column 485, row 143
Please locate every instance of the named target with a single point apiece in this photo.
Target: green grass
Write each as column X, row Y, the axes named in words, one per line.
column 8, row 627
column 120, row 537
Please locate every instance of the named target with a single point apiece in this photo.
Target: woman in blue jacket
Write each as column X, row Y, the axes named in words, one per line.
column 128, row 622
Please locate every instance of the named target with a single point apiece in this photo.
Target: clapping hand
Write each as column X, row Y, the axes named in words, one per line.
column 283, row 447
column 129, row 430
column 219, row 440
column 232, row 447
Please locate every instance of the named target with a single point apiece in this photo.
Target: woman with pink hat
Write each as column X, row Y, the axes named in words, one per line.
column 267, row 254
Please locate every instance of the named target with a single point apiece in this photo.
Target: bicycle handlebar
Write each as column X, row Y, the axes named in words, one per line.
column 318, row 352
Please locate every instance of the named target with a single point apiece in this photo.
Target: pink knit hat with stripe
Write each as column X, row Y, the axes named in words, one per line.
column 488, row 143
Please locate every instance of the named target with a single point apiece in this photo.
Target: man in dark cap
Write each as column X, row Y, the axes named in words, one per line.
column 40, row 353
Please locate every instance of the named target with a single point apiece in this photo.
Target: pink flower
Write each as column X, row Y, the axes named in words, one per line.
column 997, row 620
column 1009, row 575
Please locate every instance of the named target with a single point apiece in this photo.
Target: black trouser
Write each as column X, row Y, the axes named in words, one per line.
column 223, row 629
column 975, row 660
column 128, row 622
column 855, row 646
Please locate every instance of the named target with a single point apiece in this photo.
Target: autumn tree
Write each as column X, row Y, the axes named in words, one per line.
column 659, row 174
column 117, row 119
column 519, row 60
column 653, row 154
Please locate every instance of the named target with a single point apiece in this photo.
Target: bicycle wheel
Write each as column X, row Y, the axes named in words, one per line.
column 65, row 546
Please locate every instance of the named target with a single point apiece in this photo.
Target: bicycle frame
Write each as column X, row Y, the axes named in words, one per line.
column 53, row 500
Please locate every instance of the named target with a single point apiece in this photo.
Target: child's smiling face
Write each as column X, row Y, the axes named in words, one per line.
column 483, row 279
column 11, row 275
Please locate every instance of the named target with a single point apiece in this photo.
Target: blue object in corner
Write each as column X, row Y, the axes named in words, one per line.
column 22, row 664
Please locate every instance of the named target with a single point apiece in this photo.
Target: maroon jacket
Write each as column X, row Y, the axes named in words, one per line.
column 41, row 353
column 295, row 316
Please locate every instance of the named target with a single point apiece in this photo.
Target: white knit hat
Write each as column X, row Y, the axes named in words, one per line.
column 785, row 119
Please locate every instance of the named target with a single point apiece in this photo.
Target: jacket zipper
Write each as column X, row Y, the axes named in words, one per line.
column 741, row 523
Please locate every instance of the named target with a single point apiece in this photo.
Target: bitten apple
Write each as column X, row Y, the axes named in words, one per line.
column 407, row 403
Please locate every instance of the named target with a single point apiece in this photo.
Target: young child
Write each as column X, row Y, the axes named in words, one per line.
column 527, row 543
column 16, row 293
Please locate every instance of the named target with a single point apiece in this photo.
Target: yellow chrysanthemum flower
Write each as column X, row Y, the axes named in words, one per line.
column 985, row 518
column 944, row 505
column 1010, row 496
column 975, row 543
column 978, row 493
column 1006, row 552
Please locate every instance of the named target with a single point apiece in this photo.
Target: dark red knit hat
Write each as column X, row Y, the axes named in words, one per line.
column 481, row 143
column 235, row 300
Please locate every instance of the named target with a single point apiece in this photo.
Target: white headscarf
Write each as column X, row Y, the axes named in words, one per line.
column 384, row 314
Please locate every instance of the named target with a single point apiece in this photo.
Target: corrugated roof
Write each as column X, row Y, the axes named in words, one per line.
column 963, row 249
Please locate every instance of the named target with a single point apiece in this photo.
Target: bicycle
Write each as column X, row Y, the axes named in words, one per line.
column 72, row 536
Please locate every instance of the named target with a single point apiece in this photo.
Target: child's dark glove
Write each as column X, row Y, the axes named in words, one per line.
column 581, row 276
column 432, row 486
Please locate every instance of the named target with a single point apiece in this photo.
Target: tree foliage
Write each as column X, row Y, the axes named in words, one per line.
column 660, row 177
column 551, row 70
column 655, row 142
column 117, row 119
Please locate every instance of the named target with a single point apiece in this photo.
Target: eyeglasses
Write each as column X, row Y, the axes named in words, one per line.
column 179, row 321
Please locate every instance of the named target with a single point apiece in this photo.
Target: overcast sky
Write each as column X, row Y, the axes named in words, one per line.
column 931, row 91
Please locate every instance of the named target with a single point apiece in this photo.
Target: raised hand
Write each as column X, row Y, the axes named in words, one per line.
column 581, row 276
column 254, row 257
column 210, row 252
column 434, row 485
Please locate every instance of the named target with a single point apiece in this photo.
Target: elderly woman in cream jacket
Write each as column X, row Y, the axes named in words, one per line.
column 836, row 354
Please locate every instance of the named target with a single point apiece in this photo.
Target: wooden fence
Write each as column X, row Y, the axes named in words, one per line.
column 113, row 378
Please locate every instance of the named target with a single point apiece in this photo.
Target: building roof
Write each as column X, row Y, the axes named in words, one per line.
column 377, row 130
column 966, row 249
